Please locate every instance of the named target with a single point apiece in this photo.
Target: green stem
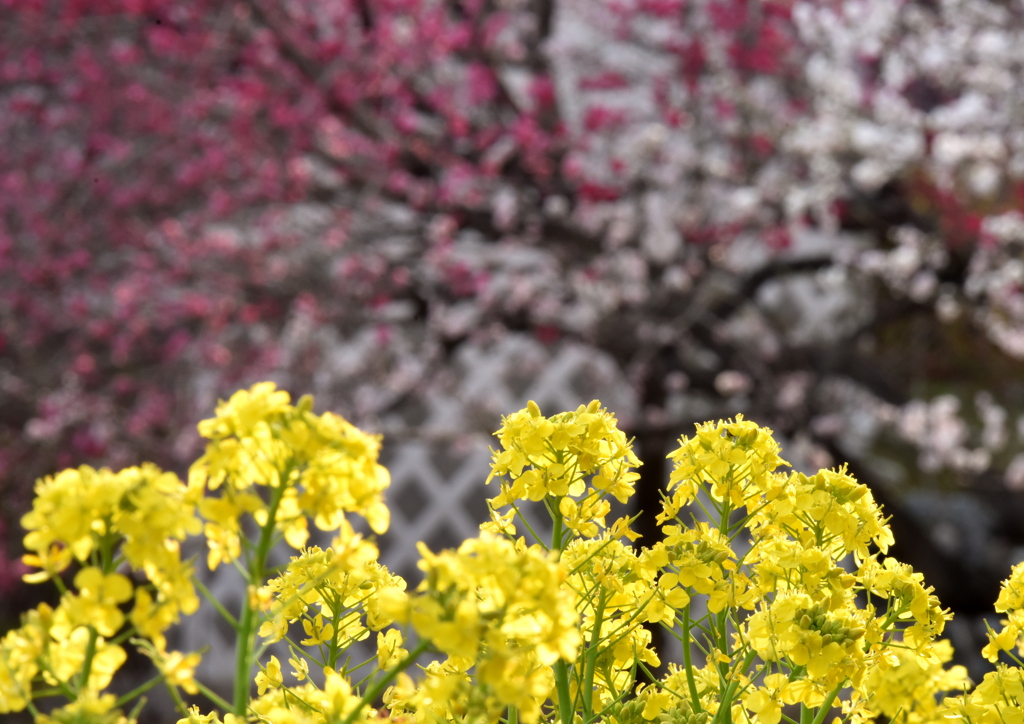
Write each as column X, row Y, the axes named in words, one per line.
column 590, row 664
column 214, row 698
column 247, row 621
column 133, row 715
column 137, row 691
column 243, row 648
column 208, row 595
column 565, row 708
column 176, row 695
column 522, row 519
column 556, row 533
column 32, row 710
column 723, row 524
column 724, row 715
column 892, row 617
column 827, row 704
column 378, row 688
column 691, row 683
column 90, row 654
column 721, row 619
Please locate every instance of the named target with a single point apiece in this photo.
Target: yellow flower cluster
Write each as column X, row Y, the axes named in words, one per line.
column 554, row 456
column 334, row 701
column 339, row 594
column 909, row 600
column 733, row 458
column 1010, row 602
column 810, row 548
column 826, row 644
column 316, row 467
column 501, row 607
column 615, row 592
column 280, row 464
column 89, row 708
column 830, row 510
column 904, row 692
column 700, row 559
column 50, row 646
column 137, row 518
column 777, row 581
column 998, row 699
column 140, row 513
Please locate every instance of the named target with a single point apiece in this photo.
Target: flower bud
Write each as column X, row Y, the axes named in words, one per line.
column 747, row 437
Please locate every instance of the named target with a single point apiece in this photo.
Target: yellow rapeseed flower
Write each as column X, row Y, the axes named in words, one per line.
column 321, row 466
column 97, row 601
column 501, row 605
column 269, row 676
column 735, row 459
column 1010, row 602
column 554, row 456
column 998, row 699
column 905, row 691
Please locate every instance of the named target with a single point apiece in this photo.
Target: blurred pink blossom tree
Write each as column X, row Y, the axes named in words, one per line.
column 806, row 211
